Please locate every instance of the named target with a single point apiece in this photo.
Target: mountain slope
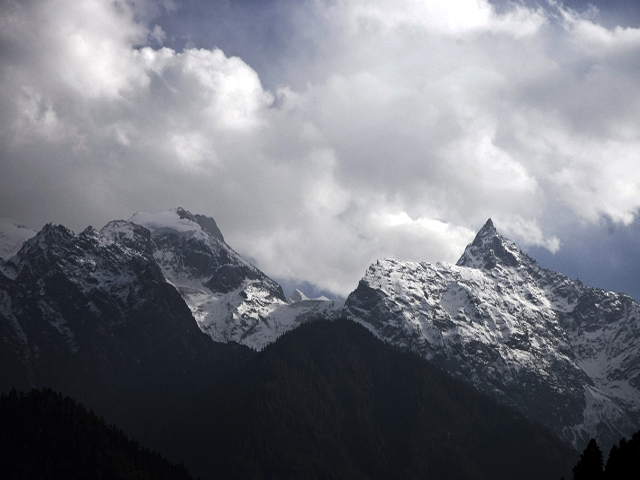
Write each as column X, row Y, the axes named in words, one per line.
column 328, row 400
column 559, row 352
column 104, row 314
column 230, row 299
column 97, row 320
column 46, row 435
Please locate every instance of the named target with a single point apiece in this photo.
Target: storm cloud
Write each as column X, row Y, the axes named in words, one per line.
column 381, row 128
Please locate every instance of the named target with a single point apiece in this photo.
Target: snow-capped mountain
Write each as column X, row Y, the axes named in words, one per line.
column 96, row 318
column 561, row 353
column 230, row 299
column 137, row 296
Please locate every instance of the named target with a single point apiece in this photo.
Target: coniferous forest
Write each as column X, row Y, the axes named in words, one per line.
column 623, row 462
column 326, row 401
column 45, row 435
column 330, row 400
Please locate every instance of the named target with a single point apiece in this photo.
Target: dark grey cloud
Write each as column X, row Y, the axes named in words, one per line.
column 625, row 13
column 603, row 255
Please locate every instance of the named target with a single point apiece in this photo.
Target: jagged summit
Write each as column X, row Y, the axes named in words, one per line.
column 178, row 221
column 561, row 353
column 50, row 236
column 556, row 350
column 488, row 228
column 490, row 249
column 182, row 213
column 207, row 224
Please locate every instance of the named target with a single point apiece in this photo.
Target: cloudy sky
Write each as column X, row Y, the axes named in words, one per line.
column 324, row 134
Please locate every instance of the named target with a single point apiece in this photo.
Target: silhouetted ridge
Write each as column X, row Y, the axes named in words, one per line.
column 329, row 400
column 98, row 321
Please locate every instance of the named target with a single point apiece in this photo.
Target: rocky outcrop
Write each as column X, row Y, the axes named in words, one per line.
column 559, row 352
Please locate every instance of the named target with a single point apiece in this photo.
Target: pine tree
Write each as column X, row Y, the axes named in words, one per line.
column 624, row 460
column 589, row 467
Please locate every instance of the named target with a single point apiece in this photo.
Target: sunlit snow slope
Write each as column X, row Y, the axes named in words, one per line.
column 562, row 353
column 230, row 299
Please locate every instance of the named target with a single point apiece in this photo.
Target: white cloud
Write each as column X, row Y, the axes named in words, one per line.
column 527, row 233
column 454, row 17
column 415, row 122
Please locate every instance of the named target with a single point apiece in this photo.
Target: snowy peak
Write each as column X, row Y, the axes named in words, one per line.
column 12, row 237
column 52, row 238
column 490, row 249
column 93, row 312
column 190, row 248
column 207, row 224
column 92, row 259
column 297, row 296
column 488, row 230
column 561, row 353
column 129, row 235
column 185, row 214
column 179, row 221
column 176, row 221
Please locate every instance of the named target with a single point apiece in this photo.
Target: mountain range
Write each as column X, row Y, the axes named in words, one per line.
column 161, row 303
column 329, row 400
column 559, row 352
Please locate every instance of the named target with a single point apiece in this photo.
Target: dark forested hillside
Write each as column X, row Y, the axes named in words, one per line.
column 45, row 435
column 98, row 321
column 329, row 400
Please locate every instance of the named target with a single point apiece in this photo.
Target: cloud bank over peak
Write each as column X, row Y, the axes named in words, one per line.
column 395, row 130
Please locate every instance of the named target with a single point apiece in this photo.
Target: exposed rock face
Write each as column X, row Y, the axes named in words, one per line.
column 103, row 314
column 134, row 304
column 95, row 318
column 561, row 353
column 230, row 299
column 190, row 248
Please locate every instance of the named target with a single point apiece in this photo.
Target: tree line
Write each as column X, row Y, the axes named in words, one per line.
column 623, row 462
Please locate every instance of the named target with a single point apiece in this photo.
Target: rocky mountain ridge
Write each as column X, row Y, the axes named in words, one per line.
column 230, row 298
column 97, row 320
column 147, row 288
column 559, row 352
